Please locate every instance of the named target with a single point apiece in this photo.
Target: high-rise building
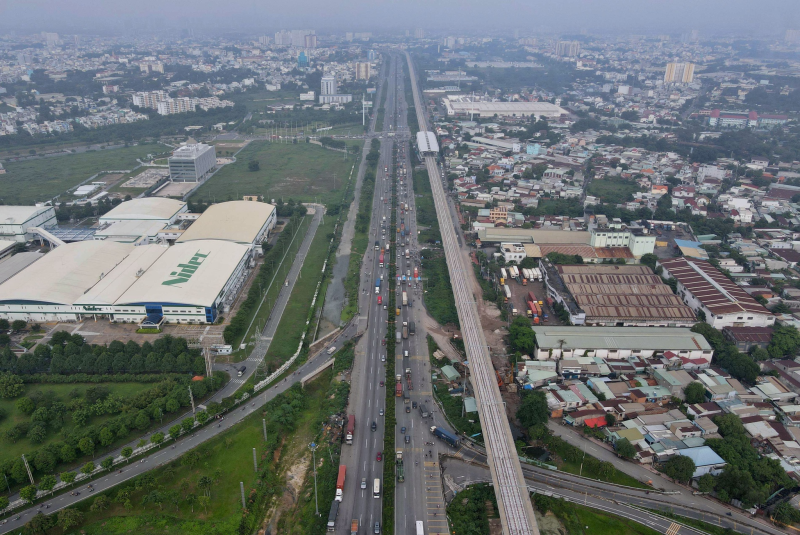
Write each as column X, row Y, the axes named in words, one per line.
column 283, row 38
column 679, row 73
column 329, row 85
column 149, row 99
column 302, row 60
column 450, row 42
column 363, row 70
column 568, row 49
column 264, row 40
column 311, row 41
column 171, row 106
column 348, row 36
column 192, row 163
column 51, row 39
column 371, row 55
column 419, row 33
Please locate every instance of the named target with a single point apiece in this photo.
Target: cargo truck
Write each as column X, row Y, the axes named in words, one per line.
column 354, row 527
column 416, row 273
column 445, row 435
column 398, row 389
column 381, row 261
column 503, row 273
column 340, row 482
column 377, row 285
column 405, row 330
column 507, row 291
column 411, row 328
column 407, row 253
column 514, row 272
column 332, row 516
column 408, row 379
column 405, row 299
column 351, row 429
column 423, row 410
column 399, row 465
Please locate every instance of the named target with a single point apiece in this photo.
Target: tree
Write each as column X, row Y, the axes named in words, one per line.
column 88, row 468
column 521, row 336
column 67, row 477
column 11, row 385
column 785, row 341
column 533, row 409
column 40, row 523
column 187, row 424
column 175, row 431
column 28, row 493
column 157, row 438
column 625, row 449
column 695, row 392
column 706, row 483
column 204, row 484
column 106, row 436
column 107, row 463
column 649, row 260
column 253, row 166
column 126, row 452
column 610, row 419
column 204, row 502
column 69, row 518
column 202, row 417
column 25, row 405
column 3, row 502
column 101, row 503
column 86, row 445
column 680, row 468
column 18, row 325
column 47, row 483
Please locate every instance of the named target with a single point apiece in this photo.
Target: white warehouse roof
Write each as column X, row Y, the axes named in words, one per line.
column 236, row 221
column 16, row 215
column 187, row 274
column 152, row 208
column 109, row 289
column 426, row 141
column 65, row 274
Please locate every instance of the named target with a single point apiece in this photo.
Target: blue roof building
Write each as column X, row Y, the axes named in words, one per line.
column 706, row 461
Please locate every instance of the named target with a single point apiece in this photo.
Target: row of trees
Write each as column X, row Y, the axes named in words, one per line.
column 69, row 354
column 272, row 258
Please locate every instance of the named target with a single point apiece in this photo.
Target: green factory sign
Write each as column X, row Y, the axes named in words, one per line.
column 186, row 271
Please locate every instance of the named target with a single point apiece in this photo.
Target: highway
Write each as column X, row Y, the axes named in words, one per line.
column 514, row 504
column 367, row 396
column 420, row 497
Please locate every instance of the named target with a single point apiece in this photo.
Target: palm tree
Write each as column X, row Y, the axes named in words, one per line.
column 561, row 343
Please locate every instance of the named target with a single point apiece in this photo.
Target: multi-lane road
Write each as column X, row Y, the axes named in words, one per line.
column 515, row 508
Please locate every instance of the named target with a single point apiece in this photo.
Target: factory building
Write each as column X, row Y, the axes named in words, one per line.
column 706, row 290
column 244, row 222
column 16, row 220
column 186, row 283
column 153, row 209
column 615, row 295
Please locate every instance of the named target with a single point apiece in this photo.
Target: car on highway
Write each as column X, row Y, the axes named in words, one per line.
column 383, row 358
column 408, row 439
column 379, row 457
column 380, row 300
column 402, row 430
column 363, row 482
column 413, row 404
column 374, row 426
column 383, row 341
column 408, row 409
column 380, row 412
column 377, row 528
column 381, row 383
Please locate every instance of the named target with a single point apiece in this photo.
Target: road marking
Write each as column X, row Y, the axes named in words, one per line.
column 673, row 529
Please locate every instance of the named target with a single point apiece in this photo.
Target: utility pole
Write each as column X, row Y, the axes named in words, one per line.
column 191, row 398
column 255, row 462
column 264, row 426
column 313, row 448
column 241, row 488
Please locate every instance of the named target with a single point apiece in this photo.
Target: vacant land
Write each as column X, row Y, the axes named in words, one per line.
column 301, row 171
column 577, row 519
column 11, row 451
column 613, row 190
column 42, row 179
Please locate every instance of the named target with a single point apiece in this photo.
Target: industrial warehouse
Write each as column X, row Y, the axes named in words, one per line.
column 149, row 283
column 615, row 295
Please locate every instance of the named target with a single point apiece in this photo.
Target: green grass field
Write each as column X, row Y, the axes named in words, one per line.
column 45, row 178
column 12, row 451
column 618, row 477
column 613, row 190
column 302, row 172
column 581, row 520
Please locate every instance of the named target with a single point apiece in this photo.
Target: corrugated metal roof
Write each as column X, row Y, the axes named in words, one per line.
column 644, row 338
column 236, row 221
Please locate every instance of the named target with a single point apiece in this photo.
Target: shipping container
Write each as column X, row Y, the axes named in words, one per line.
column 507, row 291
column 503, row 273
column 332, row 516
column 340, row 482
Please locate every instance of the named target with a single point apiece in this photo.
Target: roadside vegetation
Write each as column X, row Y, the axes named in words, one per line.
column 577, row 519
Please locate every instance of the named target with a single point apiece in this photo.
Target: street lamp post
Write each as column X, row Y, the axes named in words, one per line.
column 313, row 448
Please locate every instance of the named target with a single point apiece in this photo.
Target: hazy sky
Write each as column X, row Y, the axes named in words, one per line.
column 742, row 17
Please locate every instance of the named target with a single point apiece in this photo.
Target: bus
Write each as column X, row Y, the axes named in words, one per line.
column 420, row 528
column 376, row 488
